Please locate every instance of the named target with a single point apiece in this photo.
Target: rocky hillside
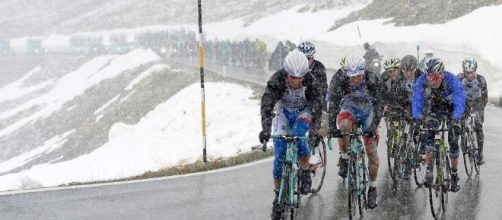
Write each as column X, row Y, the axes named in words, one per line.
column 413, row 12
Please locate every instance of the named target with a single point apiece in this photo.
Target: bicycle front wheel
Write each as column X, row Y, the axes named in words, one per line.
column 420, row 168
column 351, row 189
column 391, row 148
column 467, row 155
column 447, row 181
column 436, row 188
column 318, row 167
column 475, row 152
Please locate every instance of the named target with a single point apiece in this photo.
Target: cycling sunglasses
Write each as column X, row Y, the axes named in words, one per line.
column 355, row 72
column 434, row 76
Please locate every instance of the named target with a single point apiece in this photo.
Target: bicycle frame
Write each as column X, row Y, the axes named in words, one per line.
column 469, row 145
column 440, row 161
column 290, row 162
column 356, row 153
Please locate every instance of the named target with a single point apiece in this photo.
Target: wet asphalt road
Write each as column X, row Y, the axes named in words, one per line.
column 245, row 192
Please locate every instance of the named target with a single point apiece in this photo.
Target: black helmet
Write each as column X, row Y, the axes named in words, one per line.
column 434, row 65
column 409, row 63
column 366, row 45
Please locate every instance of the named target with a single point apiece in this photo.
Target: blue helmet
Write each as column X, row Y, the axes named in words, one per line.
column 307, row 48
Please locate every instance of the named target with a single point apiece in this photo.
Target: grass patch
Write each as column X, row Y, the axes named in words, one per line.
column 196, row 167
column 200, row 166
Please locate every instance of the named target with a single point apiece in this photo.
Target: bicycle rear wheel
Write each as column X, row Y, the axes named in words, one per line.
column 318, row 167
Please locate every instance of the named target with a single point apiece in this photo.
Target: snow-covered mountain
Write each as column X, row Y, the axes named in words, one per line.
column 66, row 118
column 40, row 17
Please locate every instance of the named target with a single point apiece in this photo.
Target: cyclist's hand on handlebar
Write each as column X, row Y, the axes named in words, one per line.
column 457, row 124
column 264, row 136
column 368, row 133
column 314, row 138
column 416, row 122
column 336, row 133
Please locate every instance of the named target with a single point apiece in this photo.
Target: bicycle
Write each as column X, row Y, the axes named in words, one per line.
column 318, row 166
column 289, row 191
column 469, row 145
column 393, row 142
column 356, row 182
column 407, row 156
column 438, row 190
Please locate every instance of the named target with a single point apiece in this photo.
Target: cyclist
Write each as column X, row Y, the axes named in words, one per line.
column 318, row 72
column 445, row 95
column 395, row 98
column 298, row 105
column 477, row 98
column 355, row 96
column 411, row 72
column 428, row 55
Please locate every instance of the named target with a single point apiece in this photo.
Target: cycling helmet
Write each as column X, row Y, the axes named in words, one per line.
column 296, row 64
column 469, row 64
column 434, row 65
column 307, row 48
column 409, row 63
column 428, row 53
column 354, row 65
column 392, row 64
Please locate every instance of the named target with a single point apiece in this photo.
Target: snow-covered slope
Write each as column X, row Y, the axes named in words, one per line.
column 166, row 136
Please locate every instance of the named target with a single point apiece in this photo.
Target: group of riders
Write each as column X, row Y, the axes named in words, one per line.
column 358, row 98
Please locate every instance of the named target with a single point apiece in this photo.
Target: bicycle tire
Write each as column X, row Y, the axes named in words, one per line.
column 319, row 173
column 352, row 192
column 435, row 190
column 475, row 148
column 390, row 156
column 364, row 203
column 467, row 155
column 399, row 161
column 420, row 167
column 446, row 183
column 284, row 199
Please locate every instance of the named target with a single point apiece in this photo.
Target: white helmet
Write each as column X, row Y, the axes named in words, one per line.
column 296, row 64
column 354, row 65
column 428, row 53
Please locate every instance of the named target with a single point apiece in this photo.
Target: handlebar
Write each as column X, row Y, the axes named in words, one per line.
column 287, row 138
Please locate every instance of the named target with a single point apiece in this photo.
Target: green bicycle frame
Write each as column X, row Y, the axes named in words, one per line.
column 292, row 160
column 397, row 134
column 357, row 152
column 443, row 149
